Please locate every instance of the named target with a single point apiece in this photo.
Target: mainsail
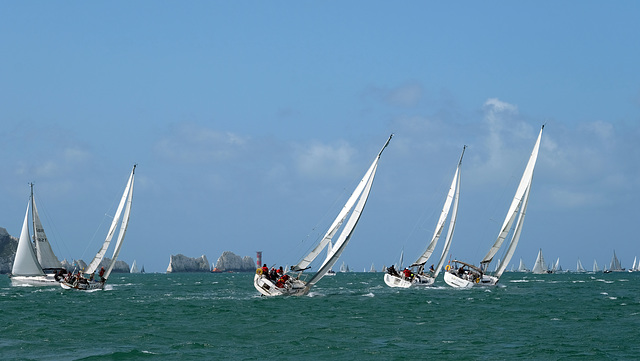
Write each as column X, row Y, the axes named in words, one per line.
column 539, row 267
column 579, row 267
column 25, row 262
column 454, row 191
column 516, row 204
column 125, row 200
column 333, row 229
column 44, row 253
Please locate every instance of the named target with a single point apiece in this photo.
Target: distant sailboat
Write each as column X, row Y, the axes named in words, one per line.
column 134, row 268
column 356, row 203
column 615, row 264
column 579, row 267
column 397, row 278
column 372, row 269
column 522, row 267
column 35, row 263
column 634, row 267
column 595, row 266
column 469, row 275
column 540, row 267
column 85, row 281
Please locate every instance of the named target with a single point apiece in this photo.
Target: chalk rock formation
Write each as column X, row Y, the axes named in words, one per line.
column 230, row 262
column 182, row 263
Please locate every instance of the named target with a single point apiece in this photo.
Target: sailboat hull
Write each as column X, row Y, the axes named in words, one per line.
column 46, row 280
column 91, row 286
column 266, row 287
column 453, row 280
column 401, row 282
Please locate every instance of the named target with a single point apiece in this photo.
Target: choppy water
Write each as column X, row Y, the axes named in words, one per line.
column 350, row 316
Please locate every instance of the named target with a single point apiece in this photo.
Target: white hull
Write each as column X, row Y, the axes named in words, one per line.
column 401, row 282
column 294, row 287
column 83, row 286
column 453, row 280
column 46, row 280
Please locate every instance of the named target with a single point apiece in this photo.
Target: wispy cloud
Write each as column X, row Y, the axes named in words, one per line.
column 192, row 143
column 319, row 160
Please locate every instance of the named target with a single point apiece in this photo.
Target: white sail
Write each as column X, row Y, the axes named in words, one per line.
column 579, row 267
column 372, row 269
column 595, row 266
column 134, row 268
column 452, row 222
column 424, row 257
column 333, row 229
column 516, row 235
column 44, row 253
column 25, row 262
column 539, row 267
column 525, row 183
column 123, row 226
column 346, row 233
column 95, row 263
column 401, row 260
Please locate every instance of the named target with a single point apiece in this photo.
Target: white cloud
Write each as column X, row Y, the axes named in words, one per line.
column 325, row 161
column 191, row 143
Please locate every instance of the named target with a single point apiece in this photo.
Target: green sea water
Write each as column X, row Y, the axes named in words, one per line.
column 352, row 316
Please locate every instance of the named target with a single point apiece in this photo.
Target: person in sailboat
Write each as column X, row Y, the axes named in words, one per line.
column 265, row 270
column 431, row 269
column 392, row 271
column 407, row 274
column 280, row 271
column 101, row 274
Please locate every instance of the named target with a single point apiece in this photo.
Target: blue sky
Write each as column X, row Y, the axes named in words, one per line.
column 252, row 122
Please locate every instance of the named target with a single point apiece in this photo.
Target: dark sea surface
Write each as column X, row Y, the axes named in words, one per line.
column 352, row 316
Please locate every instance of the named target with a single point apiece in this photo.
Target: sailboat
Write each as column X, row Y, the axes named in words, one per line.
column 579, row 267
column 634, row 267
column 557, row 268
column 372, row 269
column 351, row 212
column 35, row 263
column 615, row 264
column 134, row 268
column 468, row 275
column 522, row 267
column 85, row 280
column 595, row 266
column 540, row 267
column 397, row 278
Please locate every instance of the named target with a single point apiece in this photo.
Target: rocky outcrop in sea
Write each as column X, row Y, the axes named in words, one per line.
column 230, row 262
column 182, row 263
column 8, row 246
